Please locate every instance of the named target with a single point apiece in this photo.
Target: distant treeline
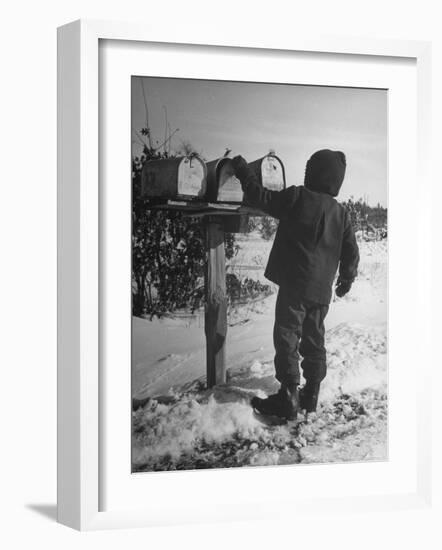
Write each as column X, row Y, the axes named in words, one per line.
column 365, row 217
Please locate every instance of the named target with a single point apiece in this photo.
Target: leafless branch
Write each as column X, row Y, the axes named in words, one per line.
column 168, row 139
column 169, row 134
column 140, row 138
column 165, row 129
column 147, row 113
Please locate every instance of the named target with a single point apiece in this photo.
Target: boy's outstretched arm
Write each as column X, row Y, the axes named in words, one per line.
column 274, row 203
column 349, row 261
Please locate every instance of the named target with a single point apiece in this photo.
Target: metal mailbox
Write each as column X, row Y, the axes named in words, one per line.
column 269, row 171
column 222, row 184
column 179, row 177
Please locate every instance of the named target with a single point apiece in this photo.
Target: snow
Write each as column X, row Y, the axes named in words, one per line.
column 184, row 426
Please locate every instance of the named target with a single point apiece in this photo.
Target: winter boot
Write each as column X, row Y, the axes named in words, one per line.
column 308, row 396
column 284, row 404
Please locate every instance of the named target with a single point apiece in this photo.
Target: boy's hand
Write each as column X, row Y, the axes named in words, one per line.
column 342, row 287
column 241, row 168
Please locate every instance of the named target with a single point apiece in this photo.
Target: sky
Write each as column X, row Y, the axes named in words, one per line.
column 253, row 118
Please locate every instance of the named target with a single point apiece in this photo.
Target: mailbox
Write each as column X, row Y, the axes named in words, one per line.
column 179, row 177
column 269, row 171
column 222, row 184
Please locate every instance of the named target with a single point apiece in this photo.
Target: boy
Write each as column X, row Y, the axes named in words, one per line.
column 314, row 238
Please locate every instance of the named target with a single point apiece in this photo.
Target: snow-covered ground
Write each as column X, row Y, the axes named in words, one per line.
column 181, row 425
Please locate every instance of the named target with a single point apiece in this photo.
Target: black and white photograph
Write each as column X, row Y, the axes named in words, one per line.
column 259, row 274
column 221, row 269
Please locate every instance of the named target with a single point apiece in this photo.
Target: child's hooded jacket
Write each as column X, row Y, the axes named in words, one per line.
column 314, row 234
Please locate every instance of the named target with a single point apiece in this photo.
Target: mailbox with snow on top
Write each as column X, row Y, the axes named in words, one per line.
column 174, row 178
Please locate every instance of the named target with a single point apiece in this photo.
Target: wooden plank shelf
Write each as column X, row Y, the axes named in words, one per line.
column 200, row 209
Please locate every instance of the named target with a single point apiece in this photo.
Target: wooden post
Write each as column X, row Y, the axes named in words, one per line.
column 216, row 302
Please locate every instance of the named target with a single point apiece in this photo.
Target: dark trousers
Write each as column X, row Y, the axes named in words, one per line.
column 299, row 330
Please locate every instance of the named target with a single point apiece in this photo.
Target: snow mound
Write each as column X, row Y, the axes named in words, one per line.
column 260, row 370
column 356, row 359
column 215, row 430
column 172, row 431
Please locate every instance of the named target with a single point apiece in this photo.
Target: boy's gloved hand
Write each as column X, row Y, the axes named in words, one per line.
column 241, row 168
column 342, row 287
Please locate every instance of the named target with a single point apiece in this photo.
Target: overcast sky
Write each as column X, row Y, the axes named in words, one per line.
column 294, row 121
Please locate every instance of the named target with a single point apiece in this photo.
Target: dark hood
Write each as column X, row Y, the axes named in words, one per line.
column 325, row 172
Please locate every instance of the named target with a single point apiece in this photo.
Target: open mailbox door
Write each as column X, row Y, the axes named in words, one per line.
column 222, row 184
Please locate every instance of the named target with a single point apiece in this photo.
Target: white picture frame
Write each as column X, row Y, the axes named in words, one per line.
column 80, row 292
